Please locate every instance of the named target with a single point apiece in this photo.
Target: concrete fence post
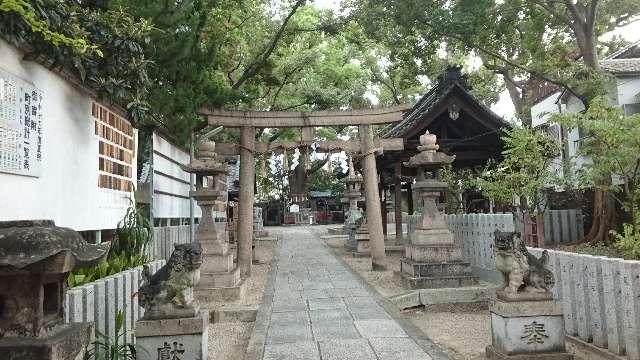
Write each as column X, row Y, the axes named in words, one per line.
column 612, row 293
column 631, row 307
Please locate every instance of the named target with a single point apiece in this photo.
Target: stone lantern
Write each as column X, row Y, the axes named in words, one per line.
column 432, row 260
column 219, row 279
column 355, row 222
column 35, row 258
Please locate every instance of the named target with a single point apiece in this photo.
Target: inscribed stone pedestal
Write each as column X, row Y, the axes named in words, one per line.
column 527, row 330
column 184, row 338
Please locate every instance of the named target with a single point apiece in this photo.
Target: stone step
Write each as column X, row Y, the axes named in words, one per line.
column 436, row 282
column 421, row 269
column 220, row 279
column 206, row 295
column 233, row 314
column 434, row 253
column 481, row 293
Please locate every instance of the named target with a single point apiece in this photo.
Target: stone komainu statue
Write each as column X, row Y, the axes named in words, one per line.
column 168, row 293
column 524, row 274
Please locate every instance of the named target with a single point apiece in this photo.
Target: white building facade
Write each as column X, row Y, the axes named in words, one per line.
column 624, row 65
column 64, row 156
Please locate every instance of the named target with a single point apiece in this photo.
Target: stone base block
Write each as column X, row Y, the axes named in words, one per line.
column 493, row 354
column 217, row 263
column 527, row 327
column 207, row 295
column 219, row 247
column 362, row 245
column 338, row 231
column 434, row 253
column 234, row 314
column 436, row 282
column 415, row 268
column 431, row 237
column 221, row 279
column 261, row 233
column 67, row 342
column 185, row 338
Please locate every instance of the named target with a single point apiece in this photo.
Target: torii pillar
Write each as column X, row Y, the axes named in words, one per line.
column 245, row 200
column 372, row 198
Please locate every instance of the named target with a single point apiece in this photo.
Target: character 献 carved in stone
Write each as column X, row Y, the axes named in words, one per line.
column 168, row 293
column 523, row 273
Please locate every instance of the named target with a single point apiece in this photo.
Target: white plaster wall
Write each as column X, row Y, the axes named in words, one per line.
column 67, row 190
column 541, row 111
column 628, row 88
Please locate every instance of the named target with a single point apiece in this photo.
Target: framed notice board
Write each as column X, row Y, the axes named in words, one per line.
column 21, row 121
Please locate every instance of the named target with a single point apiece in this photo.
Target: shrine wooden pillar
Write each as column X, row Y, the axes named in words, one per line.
column 372, row 197
column 409, row 199
column 398, row 199
column 383, row 207
column 245, row 200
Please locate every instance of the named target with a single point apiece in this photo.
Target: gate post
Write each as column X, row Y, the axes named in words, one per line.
column 245, row 200
column 374, row 215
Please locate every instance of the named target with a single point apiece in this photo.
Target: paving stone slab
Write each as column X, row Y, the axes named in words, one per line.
column 307, row 350
column 346, row 350
column 330, row 315
column 315, row 294
column 398, row 349
column 379, row 329
column 360, row 301
column 329, row 303
column 289, row 305
column 369, row 313
column 337, row 330
column 338, row 293
column 317, row 285
column 291, row 317
column 288, row 333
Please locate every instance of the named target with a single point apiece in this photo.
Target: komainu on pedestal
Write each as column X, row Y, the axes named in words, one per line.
column 169, row 292
column 526, row 323
column 172, row 322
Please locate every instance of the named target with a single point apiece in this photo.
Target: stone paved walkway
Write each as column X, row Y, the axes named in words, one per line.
column 317, row 308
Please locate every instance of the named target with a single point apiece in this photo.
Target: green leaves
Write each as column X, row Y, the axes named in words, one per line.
column 525, row 171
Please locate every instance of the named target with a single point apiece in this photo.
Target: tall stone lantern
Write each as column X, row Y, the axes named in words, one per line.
column 35, row 258
column 220, row 279
column 432, row 259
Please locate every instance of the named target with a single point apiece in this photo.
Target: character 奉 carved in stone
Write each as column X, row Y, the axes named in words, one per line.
column 525, row 276
column 168, row 294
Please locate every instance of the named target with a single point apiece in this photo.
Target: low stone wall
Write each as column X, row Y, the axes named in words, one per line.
column 474, row 234
column 100, row 301
column 601, row 299
column 163, row 239
column 600, row 295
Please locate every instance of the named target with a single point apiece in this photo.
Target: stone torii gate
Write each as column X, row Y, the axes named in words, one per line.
column 366, row 147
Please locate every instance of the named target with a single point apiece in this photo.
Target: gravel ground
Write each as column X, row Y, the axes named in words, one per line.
column 382, row 281
column 463, row 334
column 228, row 341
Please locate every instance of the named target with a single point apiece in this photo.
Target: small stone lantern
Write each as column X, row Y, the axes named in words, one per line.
column 355, row 223
column 35, row 258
